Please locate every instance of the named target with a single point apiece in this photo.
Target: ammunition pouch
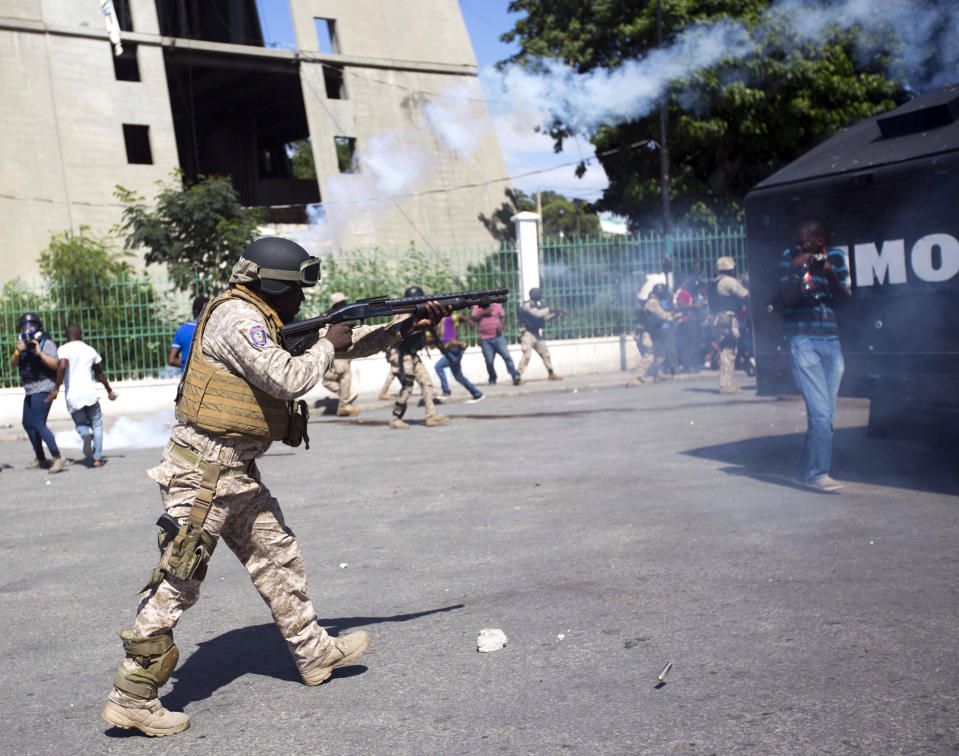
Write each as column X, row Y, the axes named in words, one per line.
column 299, row 417
column 156, row 658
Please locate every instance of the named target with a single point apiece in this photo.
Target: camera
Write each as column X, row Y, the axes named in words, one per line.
column 28, row 339
column 819, row 258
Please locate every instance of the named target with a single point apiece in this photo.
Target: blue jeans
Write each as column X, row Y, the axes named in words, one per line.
column 497, row 346
column 454, row 365
column 89, row 419
column 817, row 366
column 35, row 412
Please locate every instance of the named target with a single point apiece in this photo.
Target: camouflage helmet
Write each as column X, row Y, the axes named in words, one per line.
column 725, row 263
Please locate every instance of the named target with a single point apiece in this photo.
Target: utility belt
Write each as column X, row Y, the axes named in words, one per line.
column 186, row 548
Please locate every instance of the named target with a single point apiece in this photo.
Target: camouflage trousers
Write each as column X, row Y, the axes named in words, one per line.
column 644, row 344
column 413, row 371
column 339, row 379
column 528, row 342
column 248, row 520
column 726, row 335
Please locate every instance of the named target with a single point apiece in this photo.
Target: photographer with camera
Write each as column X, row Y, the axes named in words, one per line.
column 813, row 281
column 37, row 360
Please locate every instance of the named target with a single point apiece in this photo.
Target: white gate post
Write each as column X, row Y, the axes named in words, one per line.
column 527, row 250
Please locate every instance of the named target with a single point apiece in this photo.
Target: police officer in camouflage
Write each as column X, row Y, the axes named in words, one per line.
column 407, row 366
column 237, row 395
column 726, row 295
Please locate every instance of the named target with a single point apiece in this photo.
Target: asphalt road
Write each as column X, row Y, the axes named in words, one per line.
column 606, row 531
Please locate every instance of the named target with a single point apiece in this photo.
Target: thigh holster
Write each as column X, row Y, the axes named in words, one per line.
column 184, row 552
column 156, row 658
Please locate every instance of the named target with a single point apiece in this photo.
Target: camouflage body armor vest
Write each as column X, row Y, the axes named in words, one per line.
column 215, row 400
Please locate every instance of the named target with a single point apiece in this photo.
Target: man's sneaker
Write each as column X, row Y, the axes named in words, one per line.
column 59, row 465
column 824, row 484
column 554, row 377
column 352, row 398
column 447, row 392
column 347, row 412
column 38, row 464
column 149, row 717
column 432, row 420
column 517, row 380
column 397, row 424
column 476, row 399
column 88, row 445
column 730, row 390
column 345, row 650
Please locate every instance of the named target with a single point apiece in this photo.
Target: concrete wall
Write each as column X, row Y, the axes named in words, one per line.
column 139, row 398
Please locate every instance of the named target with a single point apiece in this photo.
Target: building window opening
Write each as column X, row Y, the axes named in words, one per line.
column 125, row 66
column 122, row 9
column 326, row 36
column 345, row 154
column 137, row 140
column 335, row 85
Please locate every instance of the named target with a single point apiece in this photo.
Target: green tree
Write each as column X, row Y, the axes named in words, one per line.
column 197, row 230
column 301, row 159
column 83, row 260
column 570, row 219
column 729, row 126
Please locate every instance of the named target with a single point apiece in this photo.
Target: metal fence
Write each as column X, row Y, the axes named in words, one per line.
column 131, row 322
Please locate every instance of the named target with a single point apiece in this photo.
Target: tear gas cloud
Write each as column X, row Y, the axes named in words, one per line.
column 150, row 432
column 392, row 163
column 927, row 33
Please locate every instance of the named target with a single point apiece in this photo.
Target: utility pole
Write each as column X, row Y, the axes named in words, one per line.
column 664, row 154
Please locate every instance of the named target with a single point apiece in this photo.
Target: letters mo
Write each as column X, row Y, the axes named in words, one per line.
column 887, row 263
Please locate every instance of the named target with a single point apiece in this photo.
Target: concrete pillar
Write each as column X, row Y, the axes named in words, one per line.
column 527, row 249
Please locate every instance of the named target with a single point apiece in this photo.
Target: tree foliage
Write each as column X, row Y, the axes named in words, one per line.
column 561, row 216
column 729, row 126
column 197, row 230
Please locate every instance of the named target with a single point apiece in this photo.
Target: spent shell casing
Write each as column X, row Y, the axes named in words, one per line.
column 662, row 675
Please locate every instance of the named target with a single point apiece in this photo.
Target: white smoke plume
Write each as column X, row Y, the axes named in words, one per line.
column 454, row 121
column 928, row 55
column 150, row 432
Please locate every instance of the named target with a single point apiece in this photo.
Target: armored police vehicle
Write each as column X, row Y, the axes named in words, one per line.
column 887, row 192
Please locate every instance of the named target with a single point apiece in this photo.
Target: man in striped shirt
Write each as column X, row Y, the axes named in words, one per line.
column 813, row 280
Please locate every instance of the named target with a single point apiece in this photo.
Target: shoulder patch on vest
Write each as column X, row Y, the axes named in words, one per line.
column 258, row 336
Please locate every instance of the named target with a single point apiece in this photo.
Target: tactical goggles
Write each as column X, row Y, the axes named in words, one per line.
column 307, row 275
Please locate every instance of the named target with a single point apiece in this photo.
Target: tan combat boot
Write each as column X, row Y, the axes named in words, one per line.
column 384, row 396
column 730, row 390
column 347, row 412
column 554, row 377
column 635, row 382
column 149, row 717
column 397, row 424
column 345, row 650
column 432, row 420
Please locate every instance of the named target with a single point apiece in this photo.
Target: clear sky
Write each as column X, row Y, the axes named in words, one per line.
column 524, row 151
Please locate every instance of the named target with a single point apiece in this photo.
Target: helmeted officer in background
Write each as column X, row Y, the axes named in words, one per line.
column 235, row 398
column 339, row 378
column 726, row 295
column 533, row 315
column 407, row 366
column 659, row 318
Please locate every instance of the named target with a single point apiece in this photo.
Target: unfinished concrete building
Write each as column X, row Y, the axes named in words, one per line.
column 386, row 92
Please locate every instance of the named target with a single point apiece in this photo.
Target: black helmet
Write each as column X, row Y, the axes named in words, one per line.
column 413, row 291
column 30, row 317
column 660, row 290
column 283, row 263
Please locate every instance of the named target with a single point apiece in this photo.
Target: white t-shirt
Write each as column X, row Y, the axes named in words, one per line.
column 81, row 388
